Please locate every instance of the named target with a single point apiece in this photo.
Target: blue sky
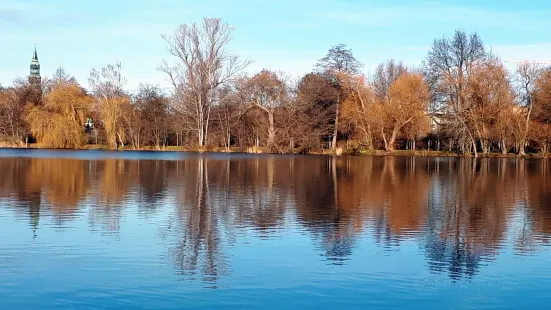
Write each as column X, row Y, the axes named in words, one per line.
column 280, row 35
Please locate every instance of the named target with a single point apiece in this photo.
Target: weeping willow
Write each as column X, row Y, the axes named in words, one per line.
column 59, row 123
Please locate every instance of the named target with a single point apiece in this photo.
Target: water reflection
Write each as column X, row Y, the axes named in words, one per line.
column 461, row 213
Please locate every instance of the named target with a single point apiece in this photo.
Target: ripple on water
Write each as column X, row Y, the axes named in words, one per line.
column 156, row 230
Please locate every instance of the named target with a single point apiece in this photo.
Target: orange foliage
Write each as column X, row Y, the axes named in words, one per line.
column 60, row 122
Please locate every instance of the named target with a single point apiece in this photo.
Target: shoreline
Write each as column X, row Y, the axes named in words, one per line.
column 252, row 150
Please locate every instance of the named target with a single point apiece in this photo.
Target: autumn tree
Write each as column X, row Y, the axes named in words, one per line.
column 12, row 124
column 488, row 92
column 527, row 75
column 542, row 94
column 356, row 97
column 448, row 70
column 107, row 85
column 266, row 91
column 153, row 114
column 339, row 63
column 202, row 65
column 360, row 102
column 314, row 107
column 60, row 122
column 507, row 127
column 541, row 129
column 407, row 101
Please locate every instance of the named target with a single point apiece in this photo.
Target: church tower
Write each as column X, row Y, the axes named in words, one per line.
column 34, row 77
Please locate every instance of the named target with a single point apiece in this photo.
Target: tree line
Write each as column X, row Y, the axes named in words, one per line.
column 460, row 99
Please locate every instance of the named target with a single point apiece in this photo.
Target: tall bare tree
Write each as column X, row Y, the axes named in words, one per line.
column 527, row 75
column 339, row 59
column 339, row 63
column 447, row 70
column 202, row 65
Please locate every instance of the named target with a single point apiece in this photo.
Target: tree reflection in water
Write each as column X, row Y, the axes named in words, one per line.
column 459, row 211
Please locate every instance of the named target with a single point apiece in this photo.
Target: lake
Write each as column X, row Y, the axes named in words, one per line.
column 148, row 230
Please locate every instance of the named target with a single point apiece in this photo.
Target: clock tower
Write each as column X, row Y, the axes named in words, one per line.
column 34, row 77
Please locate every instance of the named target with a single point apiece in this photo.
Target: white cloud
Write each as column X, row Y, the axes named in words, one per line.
column 521, row 52
column 434, row 13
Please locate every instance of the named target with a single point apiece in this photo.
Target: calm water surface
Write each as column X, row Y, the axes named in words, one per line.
column 106, row 230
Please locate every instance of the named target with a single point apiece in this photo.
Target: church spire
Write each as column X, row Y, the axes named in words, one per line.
column 35, row 56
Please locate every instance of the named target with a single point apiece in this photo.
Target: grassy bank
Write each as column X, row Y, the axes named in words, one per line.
column 425, row 153
column 253, row 150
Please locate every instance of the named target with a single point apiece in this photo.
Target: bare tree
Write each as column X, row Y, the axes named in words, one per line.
column 152, row 108
column 107, row 85
column 60, row 77
column 11, row 114
column 202, row 66
column 447, row 70
column 527, row 74
column 385, row 74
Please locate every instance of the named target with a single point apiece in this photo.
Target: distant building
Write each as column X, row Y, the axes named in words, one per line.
column 89, row 125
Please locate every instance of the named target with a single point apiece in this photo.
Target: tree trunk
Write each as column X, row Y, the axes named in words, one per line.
column 473, row 141
column 335, row 130
column 384, row 139
column 522, row 150
column 484, row 146
column 206, row 128
column 368, row 137
column 201, row 132
column 503, row 146
column 271, row 131
column 390, row 144
column 120, row 140
column 228, row 141
column 475, row 151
